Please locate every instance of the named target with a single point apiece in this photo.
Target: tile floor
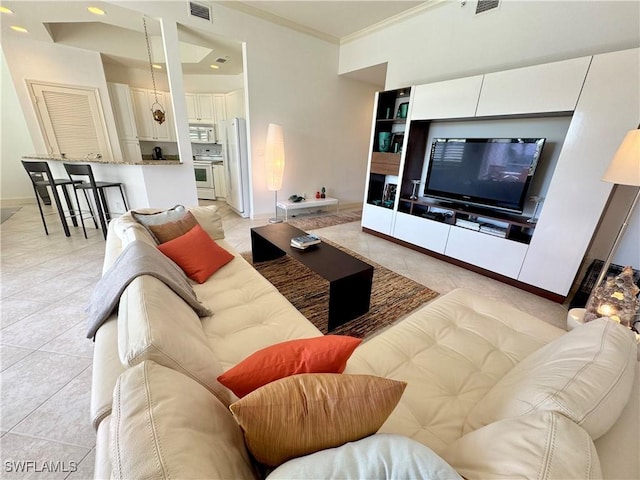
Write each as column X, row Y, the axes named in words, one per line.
column 45, row 359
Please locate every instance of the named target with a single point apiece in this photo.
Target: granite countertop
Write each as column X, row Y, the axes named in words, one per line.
column 145, row 160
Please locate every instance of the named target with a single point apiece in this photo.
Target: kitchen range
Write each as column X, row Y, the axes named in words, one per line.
column 209, row 171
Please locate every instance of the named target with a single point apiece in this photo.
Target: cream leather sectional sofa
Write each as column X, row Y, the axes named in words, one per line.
column 494, row 391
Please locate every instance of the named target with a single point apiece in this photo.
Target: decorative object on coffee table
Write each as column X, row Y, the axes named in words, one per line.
column 274, row 163
column 323, row 193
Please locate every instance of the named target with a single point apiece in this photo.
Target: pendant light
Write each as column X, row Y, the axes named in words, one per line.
column 157, row 110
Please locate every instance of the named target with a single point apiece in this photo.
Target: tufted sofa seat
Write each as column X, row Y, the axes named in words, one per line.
column 494, row 391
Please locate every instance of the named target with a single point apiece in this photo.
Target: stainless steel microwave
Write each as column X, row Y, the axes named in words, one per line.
column 202, row 133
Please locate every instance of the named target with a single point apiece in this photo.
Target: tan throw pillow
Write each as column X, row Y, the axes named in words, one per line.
column 148, row 218
column 166, row 232
column 305, row 413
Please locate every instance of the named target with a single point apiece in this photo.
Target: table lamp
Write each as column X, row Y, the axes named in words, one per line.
column 274, row 163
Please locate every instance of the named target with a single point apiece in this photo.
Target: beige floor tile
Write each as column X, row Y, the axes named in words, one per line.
column 26, row 457
column 64, row 416
column 72, row 342
column 14, row 309
column 85, row 468
column 30, row 382
column 10, row 355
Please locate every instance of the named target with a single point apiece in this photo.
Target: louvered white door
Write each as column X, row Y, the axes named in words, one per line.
column 71, row 120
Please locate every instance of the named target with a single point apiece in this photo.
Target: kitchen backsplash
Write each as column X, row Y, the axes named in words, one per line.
column 206, row 149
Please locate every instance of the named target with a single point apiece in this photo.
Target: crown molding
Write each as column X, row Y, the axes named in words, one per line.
column 427, row 5
column 270, row 17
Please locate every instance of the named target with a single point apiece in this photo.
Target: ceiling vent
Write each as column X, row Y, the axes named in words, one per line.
column 221, row 60
column 200, row 11
column 486, row 5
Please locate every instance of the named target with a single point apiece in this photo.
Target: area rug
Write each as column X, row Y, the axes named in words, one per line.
column 392, row 296
column 312, row 222
column 5, row 213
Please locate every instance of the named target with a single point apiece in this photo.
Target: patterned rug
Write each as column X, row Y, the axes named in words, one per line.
column 311, row 222
column 392, row 296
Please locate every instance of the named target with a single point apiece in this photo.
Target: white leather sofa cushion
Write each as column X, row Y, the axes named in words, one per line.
column 248, row 312
column 165, row 425
column 544, row 445
column 451, row 352
column 586, row 375
column 106, row 370
column 375, row 457
column 156, row 324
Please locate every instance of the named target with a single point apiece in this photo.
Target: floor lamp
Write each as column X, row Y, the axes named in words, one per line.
column 616, row 300
column 274, row 163
column 624, row 169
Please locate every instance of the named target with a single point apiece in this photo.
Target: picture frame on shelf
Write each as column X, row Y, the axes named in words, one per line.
column 389, row 195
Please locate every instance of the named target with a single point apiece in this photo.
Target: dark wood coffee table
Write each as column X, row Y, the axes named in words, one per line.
column 349, row 278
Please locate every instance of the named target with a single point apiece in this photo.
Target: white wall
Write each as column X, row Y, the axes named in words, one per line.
column 15, row 141
column 213, row 83
column 449, row 41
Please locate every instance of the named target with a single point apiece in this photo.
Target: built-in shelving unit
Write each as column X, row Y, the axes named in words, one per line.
column 582, row 125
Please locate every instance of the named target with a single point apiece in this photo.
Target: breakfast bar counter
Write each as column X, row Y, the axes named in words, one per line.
column 170, row 160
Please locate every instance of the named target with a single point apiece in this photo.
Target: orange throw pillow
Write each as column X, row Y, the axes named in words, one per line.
column 196, row 253
column 326, row 354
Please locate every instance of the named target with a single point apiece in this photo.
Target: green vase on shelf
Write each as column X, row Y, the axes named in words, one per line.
column 384, row 141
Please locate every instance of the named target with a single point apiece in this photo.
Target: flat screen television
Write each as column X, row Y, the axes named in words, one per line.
column 486, row 172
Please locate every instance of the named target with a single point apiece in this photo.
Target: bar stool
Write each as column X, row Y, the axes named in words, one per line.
column 40, row 176
column 82, row 177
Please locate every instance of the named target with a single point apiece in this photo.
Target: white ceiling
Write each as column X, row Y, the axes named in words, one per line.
column 119, row 34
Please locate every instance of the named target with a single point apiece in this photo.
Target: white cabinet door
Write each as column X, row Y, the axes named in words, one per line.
column 377, row 218
column 192, row 107
column 220, row 108
column 551, row 87
column 148, row 129
column 206, row 108
column 451, row 99
column 421, row 231
column 609, row 106
column 200, row 108
column 122, row 105
column 486, row 251
column 131, row 151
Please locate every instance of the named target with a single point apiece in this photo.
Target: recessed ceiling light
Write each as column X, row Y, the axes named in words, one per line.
column 96, row 10
column 5, row 10
column 156, row 66
column 19, row 29
column 215, row 67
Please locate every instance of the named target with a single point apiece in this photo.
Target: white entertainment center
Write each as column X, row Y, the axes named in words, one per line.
column 583, row 106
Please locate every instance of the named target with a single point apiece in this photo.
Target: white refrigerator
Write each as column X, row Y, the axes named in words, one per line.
column 236, row 165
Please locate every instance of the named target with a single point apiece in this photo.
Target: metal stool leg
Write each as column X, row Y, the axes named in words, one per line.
column 79, row 210
column 124, row 200
column 44, row 223
column 93, row 215
column 97, row 192
column 72, row 214
column 63, row 220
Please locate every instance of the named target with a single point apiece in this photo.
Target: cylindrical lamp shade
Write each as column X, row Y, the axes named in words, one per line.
column 274, row 157
column 624, row 169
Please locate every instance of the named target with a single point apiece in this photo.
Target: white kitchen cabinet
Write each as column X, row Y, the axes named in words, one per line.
column 451, row 99
column 220, row 108
column 551, row 87
column 122, row 105
column 131, row 151
column 201, row 108
column 219, row 182
column 148, row 128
